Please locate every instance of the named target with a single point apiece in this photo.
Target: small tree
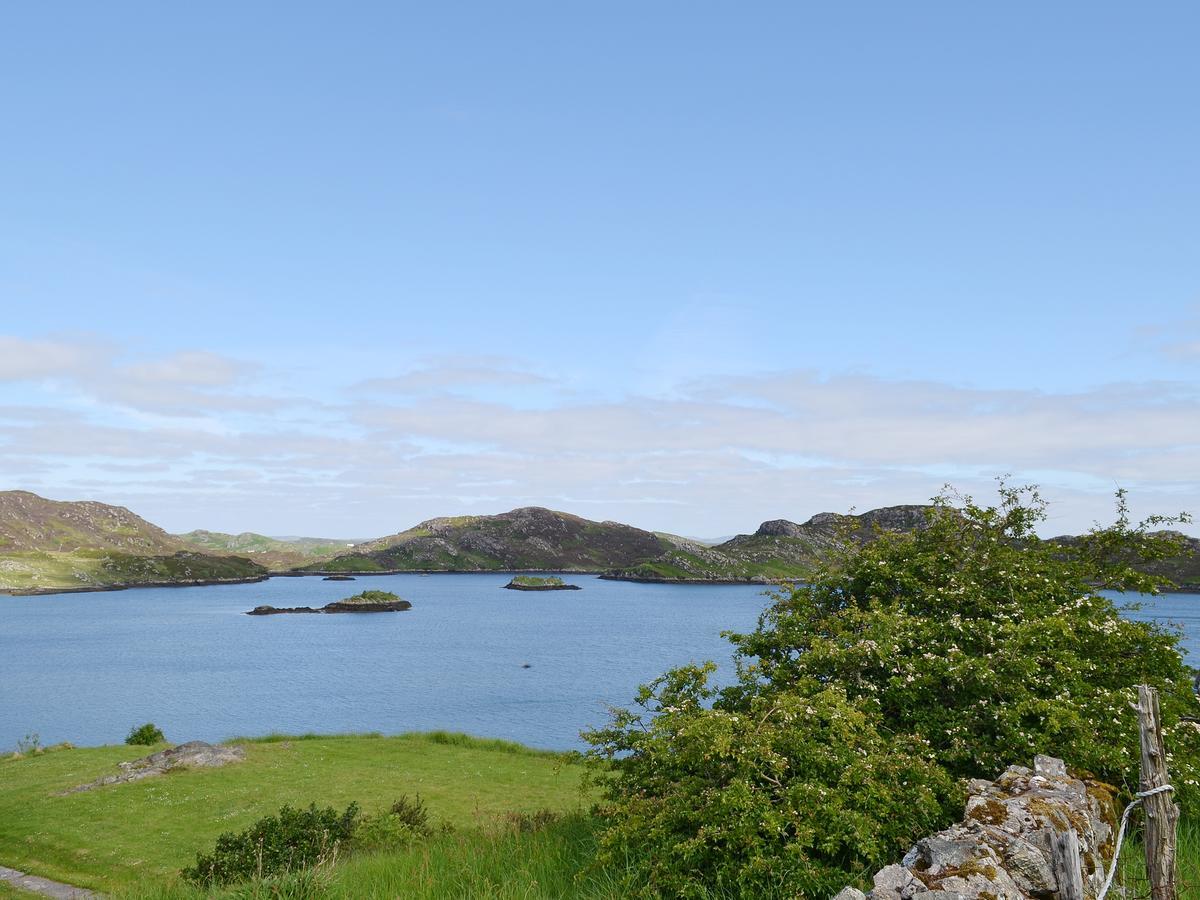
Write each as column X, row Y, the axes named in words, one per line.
column 145, row 735
column 910, row 661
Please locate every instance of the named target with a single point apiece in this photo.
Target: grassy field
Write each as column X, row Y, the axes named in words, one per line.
column 131, row 840
column 138, row 835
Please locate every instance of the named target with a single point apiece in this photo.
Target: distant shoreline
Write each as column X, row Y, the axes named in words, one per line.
column 601, row 574
column 126, row 586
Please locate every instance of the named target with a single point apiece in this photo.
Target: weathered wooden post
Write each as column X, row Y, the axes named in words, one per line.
column 1067, row 873
column 1162, row 814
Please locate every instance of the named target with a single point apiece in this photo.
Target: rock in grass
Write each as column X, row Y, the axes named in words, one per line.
column 192, row 755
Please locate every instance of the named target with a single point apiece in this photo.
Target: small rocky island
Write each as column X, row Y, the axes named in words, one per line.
column 534, row 583
column 338, row 578
column 366, row 602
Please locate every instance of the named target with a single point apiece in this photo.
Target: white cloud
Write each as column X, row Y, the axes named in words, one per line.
column 187, row 439
column 23, row 359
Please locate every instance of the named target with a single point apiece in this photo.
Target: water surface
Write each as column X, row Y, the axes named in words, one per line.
column 88, row 667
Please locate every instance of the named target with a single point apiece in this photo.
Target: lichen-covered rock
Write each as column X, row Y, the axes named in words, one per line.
column 1001, row 850
column 193, row 754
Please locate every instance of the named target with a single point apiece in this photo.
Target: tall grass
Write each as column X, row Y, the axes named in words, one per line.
column 500, row 863
column 1131, row 871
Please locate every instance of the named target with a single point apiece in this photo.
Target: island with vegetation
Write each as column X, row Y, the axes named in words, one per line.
column 540, row 583
column 366, row 602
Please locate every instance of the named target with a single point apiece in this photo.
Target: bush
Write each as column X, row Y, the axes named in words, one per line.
column 802, row 790
column 906, row 664
column 412, row 813
column 292, row 840
column 405, row 822
column 145, row 735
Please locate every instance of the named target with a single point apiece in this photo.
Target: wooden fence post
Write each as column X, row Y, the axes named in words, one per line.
column 1162, row 814
column 1065, row 848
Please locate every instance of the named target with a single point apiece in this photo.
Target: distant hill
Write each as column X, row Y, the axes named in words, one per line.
column 48, row 544
column 30, row 522
column 51, row 544
column 1183, row 570
column 527, row 538
column 277, row 554
column 779, row 550
column 543, row 539
column 537, row 539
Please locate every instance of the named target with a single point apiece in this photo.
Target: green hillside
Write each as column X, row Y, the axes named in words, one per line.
column 48, row 545
column 277, row 554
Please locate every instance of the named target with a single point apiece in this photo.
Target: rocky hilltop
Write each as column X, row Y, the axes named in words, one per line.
column 537, row 539
column 52, row 545
column 32, row 523
column 779, row 550
column 530, row 538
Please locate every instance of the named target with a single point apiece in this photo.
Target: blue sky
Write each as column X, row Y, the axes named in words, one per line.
column 334, row 268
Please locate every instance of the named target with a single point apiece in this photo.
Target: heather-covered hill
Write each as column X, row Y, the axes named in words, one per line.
column 48, row 545
column 527, row 538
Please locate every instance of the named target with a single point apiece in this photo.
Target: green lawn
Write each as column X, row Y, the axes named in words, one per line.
column 141, row 834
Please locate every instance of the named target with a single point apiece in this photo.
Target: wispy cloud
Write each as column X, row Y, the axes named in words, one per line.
column 194, row 440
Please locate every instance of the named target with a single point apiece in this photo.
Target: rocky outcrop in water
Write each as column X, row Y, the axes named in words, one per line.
column 338, row 606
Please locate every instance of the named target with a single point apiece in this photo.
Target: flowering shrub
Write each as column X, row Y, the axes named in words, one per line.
column 792, row 794
column 909, row 662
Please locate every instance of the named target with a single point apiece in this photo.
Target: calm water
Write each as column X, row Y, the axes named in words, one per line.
column 87, row 667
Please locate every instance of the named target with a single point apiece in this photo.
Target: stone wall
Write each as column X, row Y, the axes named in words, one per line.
column 1001, row 848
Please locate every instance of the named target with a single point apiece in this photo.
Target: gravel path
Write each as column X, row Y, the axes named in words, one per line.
column 45, row 886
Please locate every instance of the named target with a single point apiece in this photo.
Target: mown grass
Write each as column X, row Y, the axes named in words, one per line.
column 140, row 834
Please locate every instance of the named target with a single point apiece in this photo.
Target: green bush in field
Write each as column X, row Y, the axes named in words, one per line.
column 405, row 822
column 906, row 664
column 145, row 735
column 293, row 839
